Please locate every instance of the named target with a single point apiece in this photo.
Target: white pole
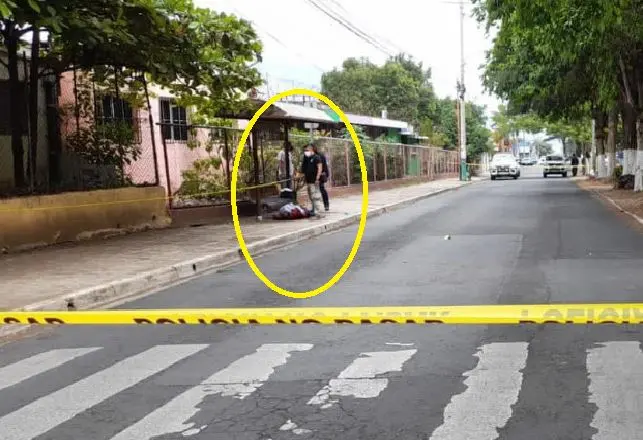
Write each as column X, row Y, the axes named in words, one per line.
column 463, row 126
column 593, row 154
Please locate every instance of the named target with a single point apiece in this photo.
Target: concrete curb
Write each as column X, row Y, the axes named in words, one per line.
column 151, row 281
column 617, row 206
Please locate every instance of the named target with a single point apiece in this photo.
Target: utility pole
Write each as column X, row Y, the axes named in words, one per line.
column 462, row 106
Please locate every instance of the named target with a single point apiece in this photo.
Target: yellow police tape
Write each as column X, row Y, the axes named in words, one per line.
column 622, row 313
column 122, row 202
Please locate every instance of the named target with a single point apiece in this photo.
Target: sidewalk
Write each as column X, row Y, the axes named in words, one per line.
column 626, row 201
column 97, row 272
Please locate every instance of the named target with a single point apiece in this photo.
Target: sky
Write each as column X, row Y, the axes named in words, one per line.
column 301, row 42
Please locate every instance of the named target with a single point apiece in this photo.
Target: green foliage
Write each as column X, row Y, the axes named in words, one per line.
column 478, row 135
column 617, row 173
column 204, row 180
column 565, row 60
column 508, row 126
column 109, row 144
column 359, row 131
column 6, row 6
column 445, row 124
column 203, row 57
column 211, row 66
column 401, row 86
column 105, row 144
column 543, row 148
column 208, row 179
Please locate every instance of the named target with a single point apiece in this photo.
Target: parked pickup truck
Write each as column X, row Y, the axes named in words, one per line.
column 555, row 165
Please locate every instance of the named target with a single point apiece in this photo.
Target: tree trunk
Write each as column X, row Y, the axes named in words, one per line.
column 601, row 124
column 638, row 172
column 152, row 137
column 611, row 141
column 76, row 103
column 34, row 87
column 629, row 138
column 16, row 105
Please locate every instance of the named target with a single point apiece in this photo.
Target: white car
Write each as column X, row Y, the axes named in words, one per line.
column 504, row 165
column 528, row 160
column 555, row 164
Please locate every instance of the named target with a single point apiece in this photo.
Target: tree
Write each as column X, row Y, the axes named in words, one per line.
column 509, row 126
column 478, row 135
column 351, row 87
column 18, row 18
column 542, row 148
column 568, row 60
column 401, row 86
column 205, row 58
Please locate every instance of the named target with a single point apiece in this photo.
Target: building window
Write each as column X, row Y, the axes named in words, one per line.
column 174, row 120
column 5, row 108
column 111, row 110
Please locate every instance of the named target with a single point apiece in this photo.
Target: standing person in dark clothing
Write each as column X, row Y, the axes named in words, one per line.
column 324, row 177
column 574, row 165
column 311, row 169
column 285, row 171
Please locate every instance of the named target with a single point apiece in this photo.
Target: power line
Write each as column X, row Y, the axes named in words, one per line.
column 388, row 42
column 284, row 45
column 352, row 28
column 369, row 38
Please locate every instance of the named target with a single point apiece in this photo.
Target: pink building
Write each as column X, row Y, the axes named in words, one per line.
column 154, row 164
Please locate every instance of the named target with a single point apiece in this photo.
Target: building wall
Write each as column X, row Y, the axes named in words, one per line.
column 6, row 155
column 179, row 156
column 34, row 221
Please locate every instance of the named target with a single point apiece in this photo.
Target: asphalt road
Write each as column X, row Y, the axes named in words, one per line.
column 526, row 241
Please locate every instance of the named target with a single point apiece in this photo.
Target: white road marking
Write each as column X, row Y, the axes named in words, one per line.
column 22, row 370
column 492, row 388
column 239, row 379
column 53, row 409
column 401, row 344
column 616, row 387
column 359, row 378
column 292, row 426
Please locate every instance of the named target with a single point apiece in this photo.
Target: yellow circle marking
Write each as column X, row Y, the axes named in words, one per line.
column 233, row 196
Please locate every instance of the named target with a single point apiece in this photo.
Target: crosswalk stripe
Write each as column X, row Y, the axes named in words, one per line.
column 616, row 387
column 492, row 388
column 359, row 378
column 22, row 370
column 239, row 379
column 53, row 409
column 615, row 372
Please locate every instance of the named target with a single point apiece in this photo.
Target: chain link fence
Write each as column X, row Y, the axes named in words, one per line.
column 384, row 160
column 199, row 169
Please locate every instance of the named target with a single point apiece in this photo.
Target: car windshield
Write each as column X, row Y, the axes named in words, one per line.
column 554, row 158
column 503, row 158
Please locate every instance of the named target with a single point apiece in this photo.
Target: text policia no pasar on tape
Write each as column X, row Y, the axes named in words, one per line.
column 535, row 314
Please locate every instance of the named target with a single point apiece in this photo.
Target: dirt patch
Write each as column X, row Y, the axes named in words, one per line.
column 595, row 184
column 626, row 200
